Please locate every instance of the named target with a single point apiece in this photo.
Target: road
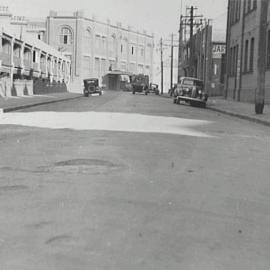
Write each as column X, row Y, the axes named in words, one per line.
column 132, row 182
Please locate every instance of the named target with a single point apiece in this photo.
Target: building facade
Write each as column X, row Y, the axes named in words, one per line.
column 243, row 69
column 205, row 61
column 95, row 47
column 25, row 59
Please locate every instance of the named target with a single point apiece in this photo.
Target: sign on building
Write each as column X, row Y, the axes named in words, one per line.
column 218, row 50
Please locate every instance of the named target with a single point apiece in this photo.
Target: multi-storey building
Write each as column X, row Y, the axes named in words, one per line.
column 96, row 47
column 205, row 61
column 28, row 65
column 245, row 34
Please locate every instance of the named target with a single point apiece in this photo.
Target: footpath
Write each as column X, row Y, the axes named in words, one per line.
column 237, row 109
column 17, row 103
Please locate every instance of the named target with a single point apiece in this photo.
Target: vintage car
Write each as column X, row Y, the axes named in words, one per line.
column 191, row 91
column 91, row 86
column 140, row 83
column 154, row 88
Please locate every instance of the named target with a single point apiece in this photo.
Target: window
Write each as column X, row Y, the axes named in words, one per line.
column 251, row 57
column 142, row 52
column 103, row 45
column 236, row 60
column 132, row 50
column 97, row 67
column 97, row 43
column 87, row 44
column 254, row 4
column 248, row 5
column 235, row 8
column 66, row 36
column 233, row 60
column 268, row 49
column 215, row 69
column 246, row 57
column 34, row 56
column 6, row 46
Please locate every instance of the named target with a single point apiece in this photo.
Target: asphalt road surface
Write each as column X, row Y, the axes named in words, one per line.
column 125, row 182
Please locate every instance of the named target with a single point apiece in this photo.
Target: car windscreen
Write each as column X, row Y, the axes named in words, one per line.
column 124, row 78
column 191, row 82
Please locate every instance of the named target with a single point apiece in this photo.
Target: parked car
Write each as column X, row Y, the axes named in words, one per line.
column 91, row 86
column 191, row 91
column 154, row 88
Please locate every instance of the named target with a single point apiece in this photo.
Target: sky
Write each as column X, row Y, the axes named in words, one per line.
column 155, row 16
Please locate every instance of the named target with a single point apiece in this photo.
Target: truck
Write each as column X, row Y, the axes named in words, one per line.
column 140, row 83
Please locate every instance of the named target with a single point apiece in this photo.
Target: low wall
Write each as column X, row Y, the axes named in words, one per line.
column 19, row 88
column 5, row 87
column 22, row 88
column 44, row 86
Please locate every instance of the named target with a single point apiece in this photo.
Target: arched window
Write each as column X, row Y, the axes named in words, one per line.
column 66, row 36
column 87, row 40
column 112, row 46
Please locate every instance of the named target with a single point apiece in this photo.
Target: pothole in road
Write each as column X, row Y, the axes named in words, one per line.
column 84, row 166
column 12, row 188
column 60, row 240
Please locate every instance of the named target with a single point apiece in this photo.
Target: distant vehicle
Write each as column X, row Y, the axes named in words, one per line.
column 140, row 83
column 154, row 88
column 125, row 82
column 91, row 86
column 190, row 90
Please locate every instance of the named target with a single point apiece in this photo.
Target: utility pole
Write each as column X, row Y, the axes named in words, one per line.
column 161, row 64
column 191, row 42
column 228, row 40
column 180, row 49
column 191, row 20
column 261, row 63
column 172, row 61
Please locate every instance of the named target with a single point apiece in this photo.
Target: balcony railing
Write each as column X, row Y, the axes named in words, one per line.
column 35, row 66
column 43, row 67
column 17, row 61
column 5, row 58
column 27, row 63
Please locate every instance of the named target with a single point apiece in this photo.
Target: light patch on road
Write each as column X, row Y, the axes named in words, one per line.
column 105, row 121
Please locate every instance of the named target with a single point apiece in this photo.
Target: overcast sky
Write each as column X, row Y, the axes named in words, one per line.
column 158, row 16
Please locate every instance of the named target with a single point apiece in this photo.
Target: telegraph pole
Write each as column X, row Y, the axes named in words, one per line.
column 180, row 48
column 191, row 20
column 161, row 64
column 261, row 63
column 191, row 41
column 172, row 60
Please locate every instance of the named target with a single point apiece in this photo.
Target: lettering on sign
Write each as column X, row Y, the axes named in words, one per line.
column 218, row 50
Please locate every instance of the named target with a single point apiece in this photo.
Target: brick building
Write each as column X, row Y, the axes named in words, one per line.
column 243, row 41
column 94, row 47
column 206, row 62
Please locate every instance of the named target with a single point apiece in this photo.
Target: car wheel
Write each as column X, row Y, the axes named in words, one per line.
column 86, row 94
